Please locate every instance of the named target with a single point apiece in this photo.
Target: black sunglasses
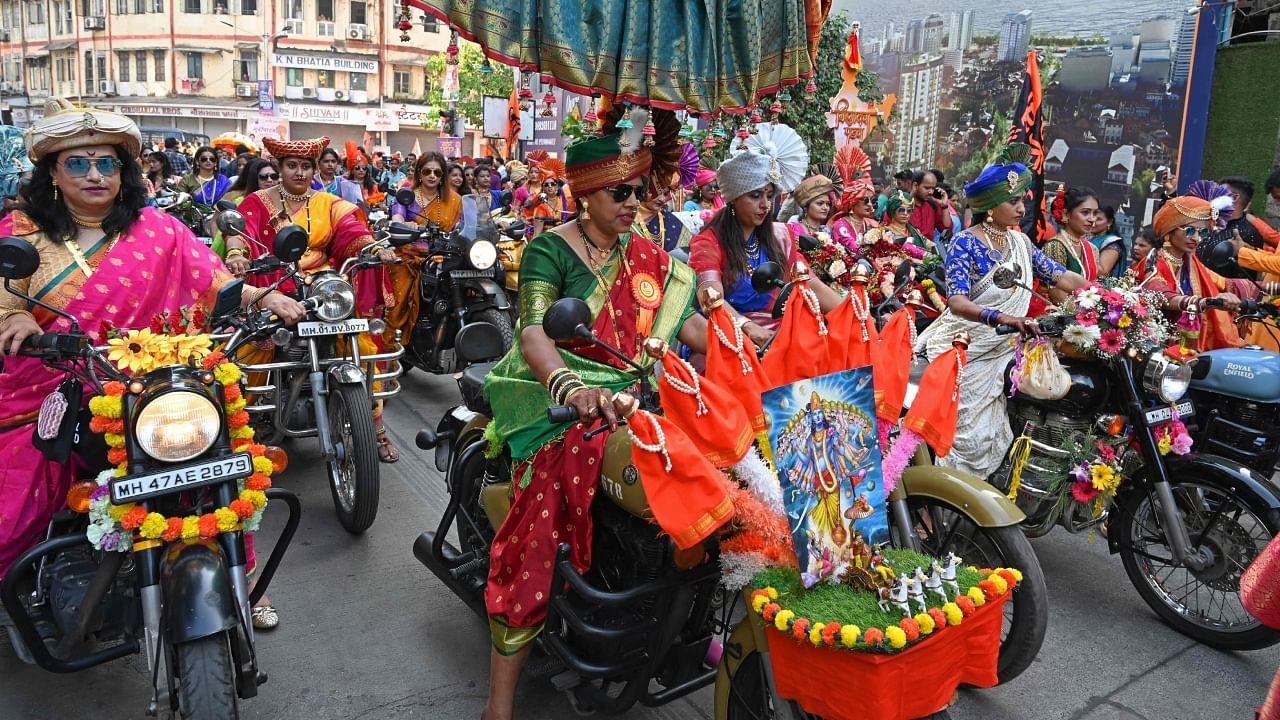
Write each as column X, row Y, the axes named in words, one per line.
column 621, row 193
column 1204, row 233
column 207, row 158
column 268, row 176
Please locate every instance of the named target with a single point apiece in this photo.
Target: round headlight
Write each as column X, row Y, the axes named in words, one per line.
column 1166, row 379
column 178, row 426
column 336, row 297
column 482, row 254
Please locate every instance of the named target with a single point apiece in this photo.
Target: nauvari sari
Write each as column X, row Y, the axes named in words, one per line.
column 445, row 212
column 640, row 292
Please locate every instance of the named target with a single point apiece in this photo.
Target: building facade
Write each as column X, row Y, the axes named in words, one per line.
column 1085, row 70
column 328, row 67
column 915, row 129
column 934, row 34
column 960, row 32
column 1186, row 45
column 1015, row 35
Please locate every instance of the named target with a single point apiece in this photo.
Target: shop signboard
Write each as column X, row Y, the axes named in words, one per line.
column 266, row 97
column 382, row 120
column 450, row 147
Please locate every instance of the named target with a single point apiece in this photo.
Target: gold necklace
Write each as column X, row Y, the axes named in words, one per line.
column 588, row 246
column 996, row 238
column 92, row 225
column 83, row 262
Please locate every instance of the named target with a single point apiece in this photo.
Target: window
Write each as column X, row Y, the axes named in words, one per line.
column 140, row 65
column 247, row 66
column 324, row 79
column 139, row 7
column 358, row 14
column 159, row 73
column 88, row 66
column 401, row 84
column 293, row 77
column 195, row 65
column 61, row 70
column 122, row 7
column 325, row 28
column 157, row 6
column 324, row 10
column 122, row 66
column 35, row 13
column 193, row 7
column 293, row 9
column 358, row 81
column 93, row 8
column 102, row 66
column 248, row 7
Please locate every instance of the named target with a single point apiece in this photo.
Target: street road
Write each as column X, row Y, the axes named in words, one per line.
column 368, row 633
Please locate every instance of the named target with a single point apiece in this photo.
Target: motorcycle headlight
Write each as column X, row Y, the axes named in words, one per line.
column 337, row 299
column 482, row 254
column 1166, row 379
column 178, row 426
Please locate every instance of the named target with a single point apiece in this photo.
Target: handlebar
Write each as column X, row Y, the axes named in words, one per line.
column 562, row 414
column 56, row 344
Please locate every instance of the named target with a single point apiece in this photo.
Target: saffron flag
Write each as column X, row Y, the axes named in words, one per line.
column 1028, row 127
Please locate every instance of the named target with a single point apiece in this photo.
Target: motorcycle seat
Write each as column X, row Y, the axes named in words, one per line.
column 472, row 386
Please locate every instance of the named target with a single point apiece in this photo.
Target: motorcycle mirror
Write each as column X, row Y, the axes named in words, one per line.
column 766, row 277
column 506, row 198
column 402, row 234
column 18, row 258
column 291, row 243
column 806, row 243
column 228, row 301
column 902, row 274
column 230, row 222
column 567, row 320
column 1222, row 256
column 404, row 196
column 224, row 205
column 1006, row 275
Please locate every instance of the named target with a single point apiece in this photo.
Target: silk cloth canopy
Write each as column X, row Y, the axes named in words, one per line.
column 700, row 55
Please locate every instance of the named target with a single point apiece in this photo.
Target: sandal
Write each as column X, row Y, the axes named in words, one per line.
column 387, row 452
column 265, row 617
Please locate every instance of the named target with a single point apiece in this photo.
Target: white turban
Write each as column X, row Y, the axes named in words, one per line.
column 65, row 126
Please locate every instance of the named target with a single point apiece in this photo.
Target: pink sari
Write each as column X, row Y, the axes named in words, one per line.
column 155, row 266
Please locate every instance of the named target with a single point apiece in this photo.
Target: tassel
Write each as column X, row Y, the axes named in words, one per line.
column 649, row 131
column 899, row 457
column 760, row 480
column 1019, row 454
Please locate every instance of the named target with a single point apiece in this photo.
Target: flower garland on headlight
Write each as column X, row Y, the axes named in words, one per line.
column 113, row 527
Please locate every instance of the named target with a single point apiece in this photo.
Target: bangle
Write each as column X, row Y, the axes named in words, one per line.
column 561, row 380
column 741, row 321
column 6, row 314
column 551, row 377
column 989, row 317
column 236, row 252
column 569, row 396
column 567, row 391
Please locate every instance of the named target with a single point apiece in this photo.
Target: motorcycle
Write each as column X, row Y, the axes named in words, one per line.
column 646, row 622
column 319, row 384
column 69, row 606
column 194, row 215
column 457, row 287
column 511, row 247
column 1185, row 527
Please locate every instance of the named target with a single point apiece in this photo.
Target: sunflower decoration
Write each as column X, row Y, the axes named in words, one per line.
column 189, row 347
column 138, row 351
column 666, row 146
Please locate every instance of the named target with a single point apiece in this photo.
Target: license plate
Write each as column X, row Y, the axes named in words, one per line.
column 464, row 274
column 318, row 329
column 170, row 480
column 208, row 241
column 1164, row 413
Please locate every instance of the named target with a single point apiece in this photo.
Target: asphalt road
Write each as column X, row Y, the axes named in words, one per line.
column 368, row 633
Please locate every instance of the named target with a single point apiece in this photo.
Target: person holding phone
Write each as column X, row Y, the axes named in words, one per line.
column 931, row 215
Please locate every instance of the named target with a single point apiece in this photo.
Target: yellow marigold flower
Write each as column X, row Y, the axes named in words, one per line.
column 925, row 621
column 262, row 465
column 237, row 406
column 896, row 636
column 1002, row 587
column 153, row 526
column 227, row 519
column 758, row 603
column 190, row 528
column 975, row 594
column 257, row 497
column 1165, row 444
column 815, row 634
column 106, row 406
column 849, row 635
column 773, row 592
column 115, row 440
column 228, row 373
column 242, row 433
column 135, row 352
column 1017, row 574
column 780, row 620
column 953, row 612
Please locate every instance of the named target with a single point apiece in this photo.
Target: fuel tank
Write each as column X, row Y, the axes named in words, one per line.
column 619, row 480
column 1245, row 373
column 1090, row 387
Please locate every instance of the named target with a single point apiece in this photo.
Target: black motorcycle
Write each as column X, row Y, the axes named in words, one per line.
column 70, row 606
column 460, row 284
column 196, row 216
column 1185, row 527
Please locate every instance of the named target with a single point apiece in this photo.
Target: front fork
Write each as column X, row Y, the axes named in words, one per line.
column 320, row 403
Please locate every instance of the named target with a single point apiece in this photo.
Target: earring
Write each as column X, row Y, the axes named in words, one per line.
column 55, row 190
column 586, row 211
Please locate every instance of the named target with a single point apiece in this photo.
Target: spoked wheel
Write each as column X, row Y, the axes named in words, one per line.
column 353, row 472
column 943, row 528
column 1203, row 605
column 207, row 688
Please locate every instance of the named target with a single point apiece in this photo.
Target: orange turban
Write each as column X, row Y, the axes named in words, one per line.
column 310, row 149
column 1180, row 211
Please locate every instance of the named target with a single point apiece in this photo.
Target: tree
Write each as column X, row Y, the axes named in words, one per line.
column 809, row 118
column 473, row 84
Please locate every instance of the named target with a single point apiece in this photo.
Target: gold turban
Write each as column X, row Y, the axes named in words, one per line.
column 65, row 126
column 1180, row 211
column 812, row 188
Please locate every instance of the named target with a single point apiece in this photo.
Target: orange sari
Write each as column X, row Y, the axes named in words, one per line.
column 1216, row 328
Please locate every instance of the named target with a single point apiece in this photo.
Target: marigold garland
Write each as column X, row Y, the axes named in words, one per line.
column 113, row 527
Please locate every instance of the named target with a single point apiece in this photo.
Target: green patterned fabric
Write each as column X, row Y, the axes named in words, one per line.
column 550, row 270
column 701, row 54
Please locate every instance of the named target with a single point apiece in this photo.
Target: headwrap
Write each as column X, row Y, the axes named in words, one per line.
column 786, row 151
column 747, row 171
column 309, row 149
column 550, row 169
column 601, row 162
column 518, row 172
column 13, row 160
column 705, row 177
column 1180, row 211
column 65, row 126
column 1006, row 179
column 897, row 200
column 812, row 188
column 855, row 191
column 1219, row 196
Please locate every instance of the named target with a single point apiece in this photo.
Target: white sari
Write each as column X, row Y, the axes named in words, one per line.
column 983, row 434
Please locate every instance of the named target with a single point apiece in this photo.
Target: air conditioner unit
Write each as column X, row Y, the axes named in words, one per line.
column 338, row 94
column 357, row 32
column 308, row 92
column 293, row 26
column 106, row 87
column 244, row 90
column 95, row 22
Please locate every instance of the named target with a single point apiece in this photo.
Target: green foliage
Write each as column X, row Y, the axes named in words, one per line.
column 869, row 90
column 972, row 166
column 1068, row 41
column 810, row 118
column 1244, row 117
column 1142, row 183
column 473, row 85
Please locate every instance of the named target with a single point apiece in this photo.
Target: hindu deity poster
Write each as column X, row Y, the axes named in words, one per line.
column 823, row 432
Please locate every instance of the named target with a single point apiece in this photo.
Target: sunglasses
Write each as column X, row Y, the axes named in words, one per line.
column 362, row 168
column 79, row 166
column 1204, row 233
column 207, row 158
column 432, row 172
column 269, row 176
column 620, row 193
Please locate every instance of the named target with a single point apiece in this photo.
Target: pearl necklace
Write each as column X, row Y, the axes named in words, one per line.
column 659, row 447
column 861, row 311
column 736, row 346
column 295, row 198
column 811, row 299
column 681, row 386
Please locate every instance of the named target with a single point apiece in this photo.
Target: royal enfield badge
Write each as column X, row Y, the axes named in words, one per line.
column 630, row 475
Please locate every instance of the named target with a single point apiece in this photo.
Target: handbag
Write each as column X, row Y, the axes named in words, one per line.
column 1260, row 586
column 1037, row 372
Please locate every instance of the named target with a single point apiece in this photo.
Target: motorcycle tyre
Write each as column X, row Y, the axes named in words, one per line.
column 206, row 688
column 500, row 320
column 1030, row 599
column 363, row 453
column 1258, row 638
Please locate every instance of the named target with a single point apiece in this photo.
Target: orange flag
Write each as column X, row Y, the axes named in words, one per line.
column 851, row 327
column 800, row 350
column 933, row 415
column 891, row 364
column 732, row 363
column 715, row 420
column 689, row 503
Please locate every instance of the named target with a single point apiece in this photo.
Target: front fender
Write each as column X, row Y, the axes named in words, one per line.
column 197, row 593
column 985, row 505
column 346, row 373
column 495, row 296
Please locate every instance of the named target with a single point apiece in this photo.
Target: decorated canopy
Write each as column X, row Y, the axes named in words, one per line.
column 700, row 55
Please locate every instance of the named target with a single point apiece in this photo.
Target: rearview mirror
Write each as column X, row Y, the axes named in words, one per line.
column 230, row 222
column 291, row 244
column 404, row 196
column 18, row 258
column 902, row 274
column 1222, row 256
column 224, row 205
column 228, row 300
column 806, row 243
column 566, row 319
column 766, row 277
column 506, row 198
column 1006, row 275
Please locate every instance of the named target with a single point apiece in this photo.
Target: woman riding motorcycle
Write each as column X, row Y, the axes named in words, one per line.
column 106, row 259
column 635, row 290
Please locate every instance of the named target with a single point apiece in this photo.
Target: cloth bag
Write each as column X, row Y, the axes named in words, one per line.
column 1037, row 372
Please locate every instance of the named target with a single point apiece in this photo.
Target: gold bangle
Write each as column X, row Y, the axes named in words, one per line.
column 6, row 314
column 571, row 393
column 236, row 252
column 551, row 378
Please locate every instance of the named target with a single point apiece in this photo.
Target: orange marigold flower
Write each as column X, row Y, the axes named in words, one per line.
column 1008, row 577
column 115, row 456
column 873, row 636
column 208, row 526
column 132, row 520
column 257, row 481
column 911, row 628
column 114, row 388
column 989, row 589
column 800, row 629
column 212, row 360
column 238, row 419
column 173, row 529
column 231, row 393
column 241, row 444
column 939, row 617
column 966, row 605
column 242, row 508
column 258, row 450
column 770, row 611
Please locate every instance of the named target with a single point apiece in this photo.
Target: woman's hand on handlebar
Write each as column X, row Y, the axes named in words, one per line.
column 388, row 256
column 1228, row 301
column 14, row 330
column 759, row 335
column 238, row 265
column 284, row 307
column 1023, row 325
column 593, row 403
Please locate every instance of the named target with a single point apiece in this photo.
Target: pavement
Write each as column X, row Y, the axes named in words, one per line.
column 368, row 633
